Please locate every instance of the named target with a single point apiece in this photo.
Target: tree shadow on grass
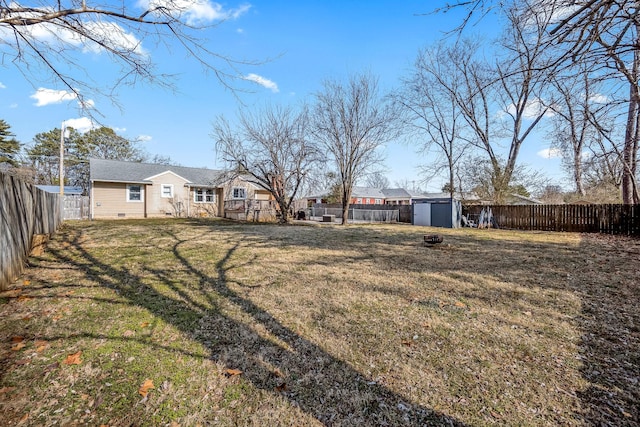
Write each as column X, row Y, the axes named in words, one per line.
column 272, row 357
column 601, row 271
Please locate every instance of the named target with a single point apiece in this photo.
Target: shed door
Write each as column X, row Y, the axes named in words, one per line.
column 422, row 214
column 441, row 215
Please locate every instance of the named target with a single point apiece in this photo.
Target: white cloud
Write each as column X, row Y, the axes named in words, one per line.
column 109, row 33
column 144, row 138
column 87, row 103
column 195, row 12
column 532, row 110
column 82, row 124
column 45, row 96
column 14, row 105
column 262, row 81
column 2, row 86
column 550, row 153
column 599, row 98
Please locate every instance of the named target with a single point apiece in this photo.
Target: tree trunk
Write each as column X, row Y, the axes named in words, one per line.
column 630, row 150
column 577, row 172
column 345, row 208
column 630, row 142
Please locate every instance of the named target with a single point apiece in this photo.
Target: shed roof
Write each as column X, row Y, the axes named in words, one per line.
column 135, row 172
column 69, row 190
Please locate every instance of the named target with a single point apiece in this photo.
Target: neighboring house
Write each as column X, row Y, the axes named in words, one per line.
column 374, row 196
column 510, row 199
column 141, row 190
column 401, row 196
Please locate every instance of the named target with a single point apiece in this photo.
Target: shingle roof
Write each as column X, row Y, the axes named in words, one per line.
column 395, row 193
column 133, row 172
column 373, row 193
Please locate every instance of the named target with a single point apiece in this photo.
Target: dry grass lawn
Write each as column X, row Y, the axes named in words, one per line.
column 185, row 322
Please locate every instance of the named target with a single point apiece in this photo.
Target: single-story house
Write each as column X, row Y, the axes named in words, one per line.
column 401, row 196
column 374, row 196
column 140, row 190
column 510, row 199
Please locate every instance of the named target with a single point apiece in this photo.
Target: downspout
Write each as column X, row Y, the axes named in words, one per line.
column 91, row 201
column 188, row 200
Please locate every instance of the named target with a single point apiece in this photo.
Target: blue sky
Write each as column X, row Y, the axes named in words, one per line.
column 303, row 42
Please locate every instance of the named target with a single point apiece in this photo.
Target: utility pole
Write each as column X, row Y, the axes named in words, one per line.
column 61, row 177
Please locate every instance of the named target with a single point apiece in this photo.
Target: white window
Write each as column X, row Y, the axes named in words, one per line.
column 134, row 193
column 167, row 190
column 359, row 201
column 378, row 201
column 204, row 195
column 239, row 193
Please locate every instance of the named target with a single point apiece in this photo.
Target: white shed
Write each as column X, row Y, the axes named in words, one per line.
column 437, row 210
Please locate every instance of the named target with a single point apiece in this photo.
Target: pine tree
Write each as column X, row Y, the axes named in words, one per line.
column 9, row 146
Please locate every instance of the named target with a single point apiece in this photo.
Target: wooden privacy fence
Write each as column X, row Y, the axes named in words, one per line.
column 76, row 207
column 608, row 219
column 25, row 211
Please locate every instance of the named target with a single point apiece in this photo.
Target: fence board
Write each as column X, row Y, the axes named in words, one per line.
column 25, row 211
column 607, row 219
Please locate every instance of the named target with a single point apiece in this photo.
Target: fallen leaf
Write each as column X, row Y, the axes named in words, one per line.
column 407, row 343
column 460, row 304
column 145, row 387
column 17, row 346
column 73, row 359
column 233, row 372
column 128, row 333
column 39, row 343
column 26, row 283
column 56, row 318
column 24, row 418
column 6, row 389
column 282, row 387
column 22, row 362
column 174, row 424
column 24, row 298
column 144, row 324
column 27, row 317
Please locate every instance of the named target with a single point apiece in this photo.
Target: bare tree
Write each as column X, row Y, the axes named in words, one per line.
column 352, row 122
column 515, row 85
column 581, row 122
column 603, row 35
column 45, row 40
column 429, row 98
column 272, row 146
column 377, row 179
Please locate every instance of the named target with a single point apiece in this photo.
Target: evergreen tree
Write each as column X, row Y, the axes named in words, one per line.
column 9, row 146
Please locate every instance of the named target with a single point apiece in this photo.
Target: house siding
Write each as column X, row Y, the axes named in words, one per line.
column 110, row 201
column 205, row 209
column 158, row 206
